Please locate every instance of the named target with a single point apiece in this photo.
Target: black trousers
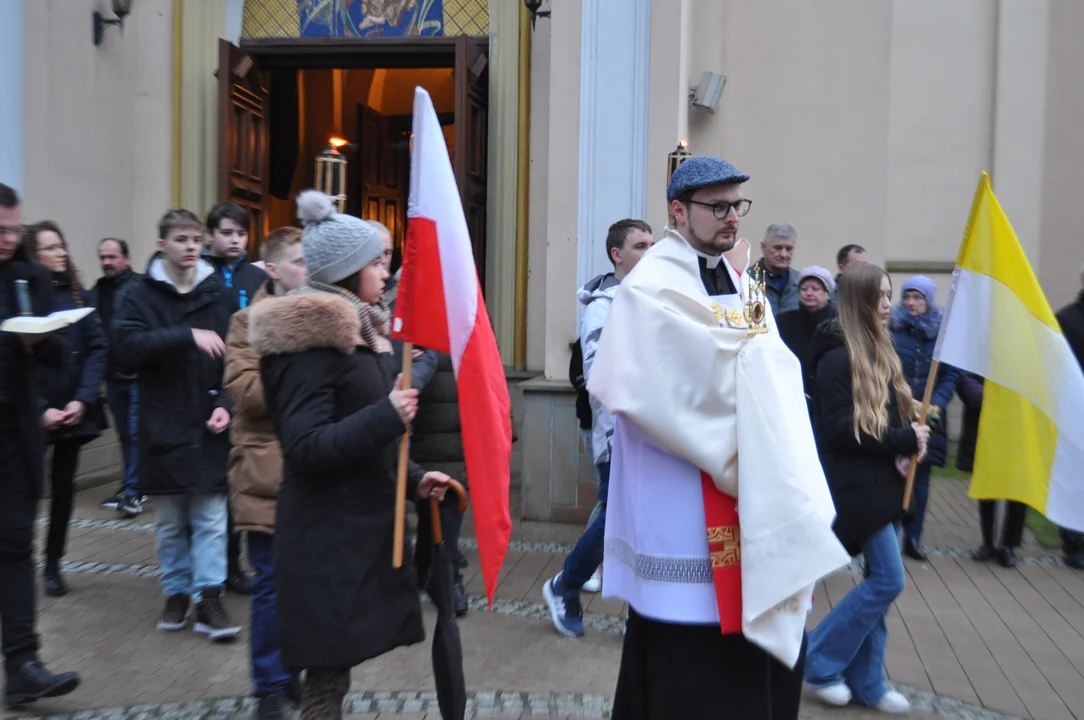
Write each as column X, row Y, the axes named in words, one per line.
column 62, row 477
column 671, row 671
column 18, row 506
column 1013, row 533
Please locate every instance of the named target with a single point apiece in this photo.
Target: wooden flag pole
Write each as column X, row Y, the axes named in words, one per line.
column 930, row 381
column 404, row 457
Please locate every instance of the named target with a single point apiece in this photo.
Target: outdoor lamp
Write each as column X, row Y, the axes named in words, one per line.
column 673, row 161
column 121, row 8
column 331, row 172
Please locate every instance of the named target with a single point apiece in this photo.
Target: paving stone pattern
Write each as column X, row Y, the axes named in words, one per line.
column 966, row 640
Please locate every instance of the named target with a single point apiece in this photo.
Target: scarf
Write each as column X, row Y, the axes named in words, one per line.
column 371, row 316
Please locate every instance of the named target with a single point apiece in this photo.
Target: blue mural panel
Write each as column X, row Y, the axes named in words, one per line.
column 371, row 18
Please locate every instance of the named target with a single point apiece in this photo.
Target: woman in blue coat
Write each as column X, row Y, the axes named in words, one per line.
column 915, row 323
column 71, row 401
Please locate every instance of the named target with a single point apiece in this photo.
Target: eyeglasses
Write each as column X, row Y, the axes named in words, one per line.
column 11, row 229
column 722, row 209
column 53, row 249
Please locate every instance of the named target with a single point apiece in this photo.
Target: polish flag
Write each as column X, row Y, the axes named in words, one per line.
column 440, row 306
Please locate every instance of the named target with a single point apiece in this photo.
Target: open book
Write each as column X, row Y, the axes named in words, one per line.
column 35, row 325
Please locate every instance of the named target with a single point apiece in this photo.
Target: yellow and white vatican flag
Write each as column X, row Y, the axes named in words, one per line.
column 999, row 325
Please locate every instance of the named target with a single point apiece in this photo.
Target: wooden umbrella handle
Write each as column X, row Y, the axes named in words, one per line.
column 434, row 509
column 404, row 457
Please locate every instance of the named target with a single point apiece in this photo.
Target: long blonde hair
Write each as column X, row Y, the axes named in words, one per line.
column 874, row 362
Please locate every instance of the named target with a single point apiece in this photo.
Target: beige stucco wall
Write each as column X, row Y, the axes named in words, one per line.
column 97, row 124
column 97, row 134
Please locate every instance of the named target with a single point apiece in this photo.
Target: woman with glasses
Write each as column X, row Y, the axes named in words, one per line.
column 74, row 413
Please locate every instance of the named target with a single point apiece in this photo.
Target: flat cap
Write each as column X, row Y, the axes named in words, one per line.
column 702, row 171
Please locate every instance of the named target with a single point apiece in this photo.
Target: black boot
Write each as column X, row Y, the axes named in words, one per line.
column 984, row 553
column 293, row 690
column 29, row 681
column 238, row 581
column 1006, row 557
column 272, row 707
column 913, row 551
column 54, row 583
column 459, row 597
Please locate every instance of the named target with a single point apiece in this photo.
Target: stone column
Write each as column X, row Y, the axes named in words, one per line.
column 615, row 48
column 11, row 79
column 500, row 287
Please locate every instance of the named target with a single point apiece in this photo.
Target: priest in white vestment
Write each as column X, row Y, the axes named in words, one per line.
column 720, row 519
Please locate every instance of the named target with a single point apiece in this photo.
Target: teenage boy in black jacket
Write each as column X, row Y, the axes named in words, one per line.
column 168, row 329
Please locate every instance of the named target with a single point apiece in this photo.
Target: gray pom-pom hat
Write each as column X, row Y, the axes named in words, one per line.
column 335, row 245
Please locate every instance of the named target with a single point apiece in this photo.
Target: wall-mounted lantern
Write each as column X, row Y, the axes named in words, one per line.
column 331, row 172
column 121, row 8
column 673, row 161
column 533, row 8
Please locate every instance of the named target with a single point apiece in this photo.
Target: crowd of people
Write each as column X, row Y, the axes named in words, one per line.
column 262, row 400
column 255, row 401
column 865, row 362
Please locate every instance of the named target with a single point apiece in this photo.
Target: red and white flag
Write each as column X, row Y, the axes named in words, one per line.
column 439, row 306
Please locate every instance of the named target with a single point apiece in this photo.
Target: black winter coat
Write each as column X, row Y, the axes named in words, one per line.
column 17, row 366
column 340, row 601
column 81, row 378
column 1071, row 319
column 104, row 297
column 179, row 385
column 796, row 329
column 866, row 487
column 969, row 387
column 241, row 278
column 436, row 440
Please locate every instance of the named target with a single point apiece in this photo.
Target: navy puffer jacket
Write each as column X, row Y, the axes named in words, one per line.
column 915, row 337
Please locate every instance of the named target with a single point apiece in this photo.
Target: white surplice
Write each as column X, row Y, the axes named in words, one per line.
column 692, row 395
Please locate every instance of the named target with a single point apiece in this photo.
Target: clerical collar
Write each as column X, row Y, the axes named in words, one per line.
column 712, row 261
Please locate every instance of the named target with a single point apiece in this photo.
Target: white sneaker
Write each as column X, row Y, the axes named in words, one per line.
column 836, row 695
column 893, row 703
column 594, row 583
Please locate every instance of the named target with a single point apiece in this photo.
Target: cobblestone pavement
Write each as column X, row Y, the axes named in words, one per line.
column 966, row 640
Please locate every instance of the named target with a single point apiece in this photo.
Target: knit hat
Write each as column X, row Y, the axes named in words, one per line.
column 335, row 245
column 922, row 284
column 816, row 271
column 702, row 171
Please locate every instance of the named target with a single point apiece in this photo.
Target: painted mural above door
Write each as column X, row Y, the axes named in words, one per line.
column 365, row 18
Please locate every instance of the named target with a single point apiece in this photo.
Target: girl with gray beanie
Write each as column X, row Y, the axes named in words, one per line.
column 332, row 397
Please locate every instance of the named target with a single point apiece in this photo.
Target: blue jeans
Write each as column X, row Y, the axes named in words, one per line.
column 123, row 399
column 849, row 643
column 268, row 674
column 585, row 558
column 913, row 529
column 191, row 563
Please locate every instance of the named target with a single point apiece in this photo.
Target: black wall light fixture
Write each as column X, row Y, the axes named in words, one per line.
column 533, row 8
column 121, row 8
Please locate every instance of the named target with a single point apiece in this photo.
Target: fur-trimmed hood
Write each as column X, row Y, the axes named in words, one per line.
column 295, row 323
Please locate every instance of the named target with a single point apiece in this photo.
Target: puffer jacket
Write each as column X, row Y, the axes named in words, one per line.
column 597, row 296
column 255, row 464
column 915, row 337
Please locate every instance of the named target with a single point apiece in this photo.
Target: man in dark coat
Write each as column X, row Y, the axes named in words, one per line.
column 120, row 387
column 228, row 226
column 1071, row 319
column 22, row 450
column 168, row 329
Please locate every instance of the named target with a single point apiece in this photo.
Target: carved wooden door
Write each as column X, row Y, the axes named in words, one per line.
column 384, row 159
column 472, row 140
column 242, row 136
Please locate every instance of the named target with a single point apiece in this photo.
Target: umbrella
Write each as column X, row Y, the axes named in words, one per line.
column 447, row 645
